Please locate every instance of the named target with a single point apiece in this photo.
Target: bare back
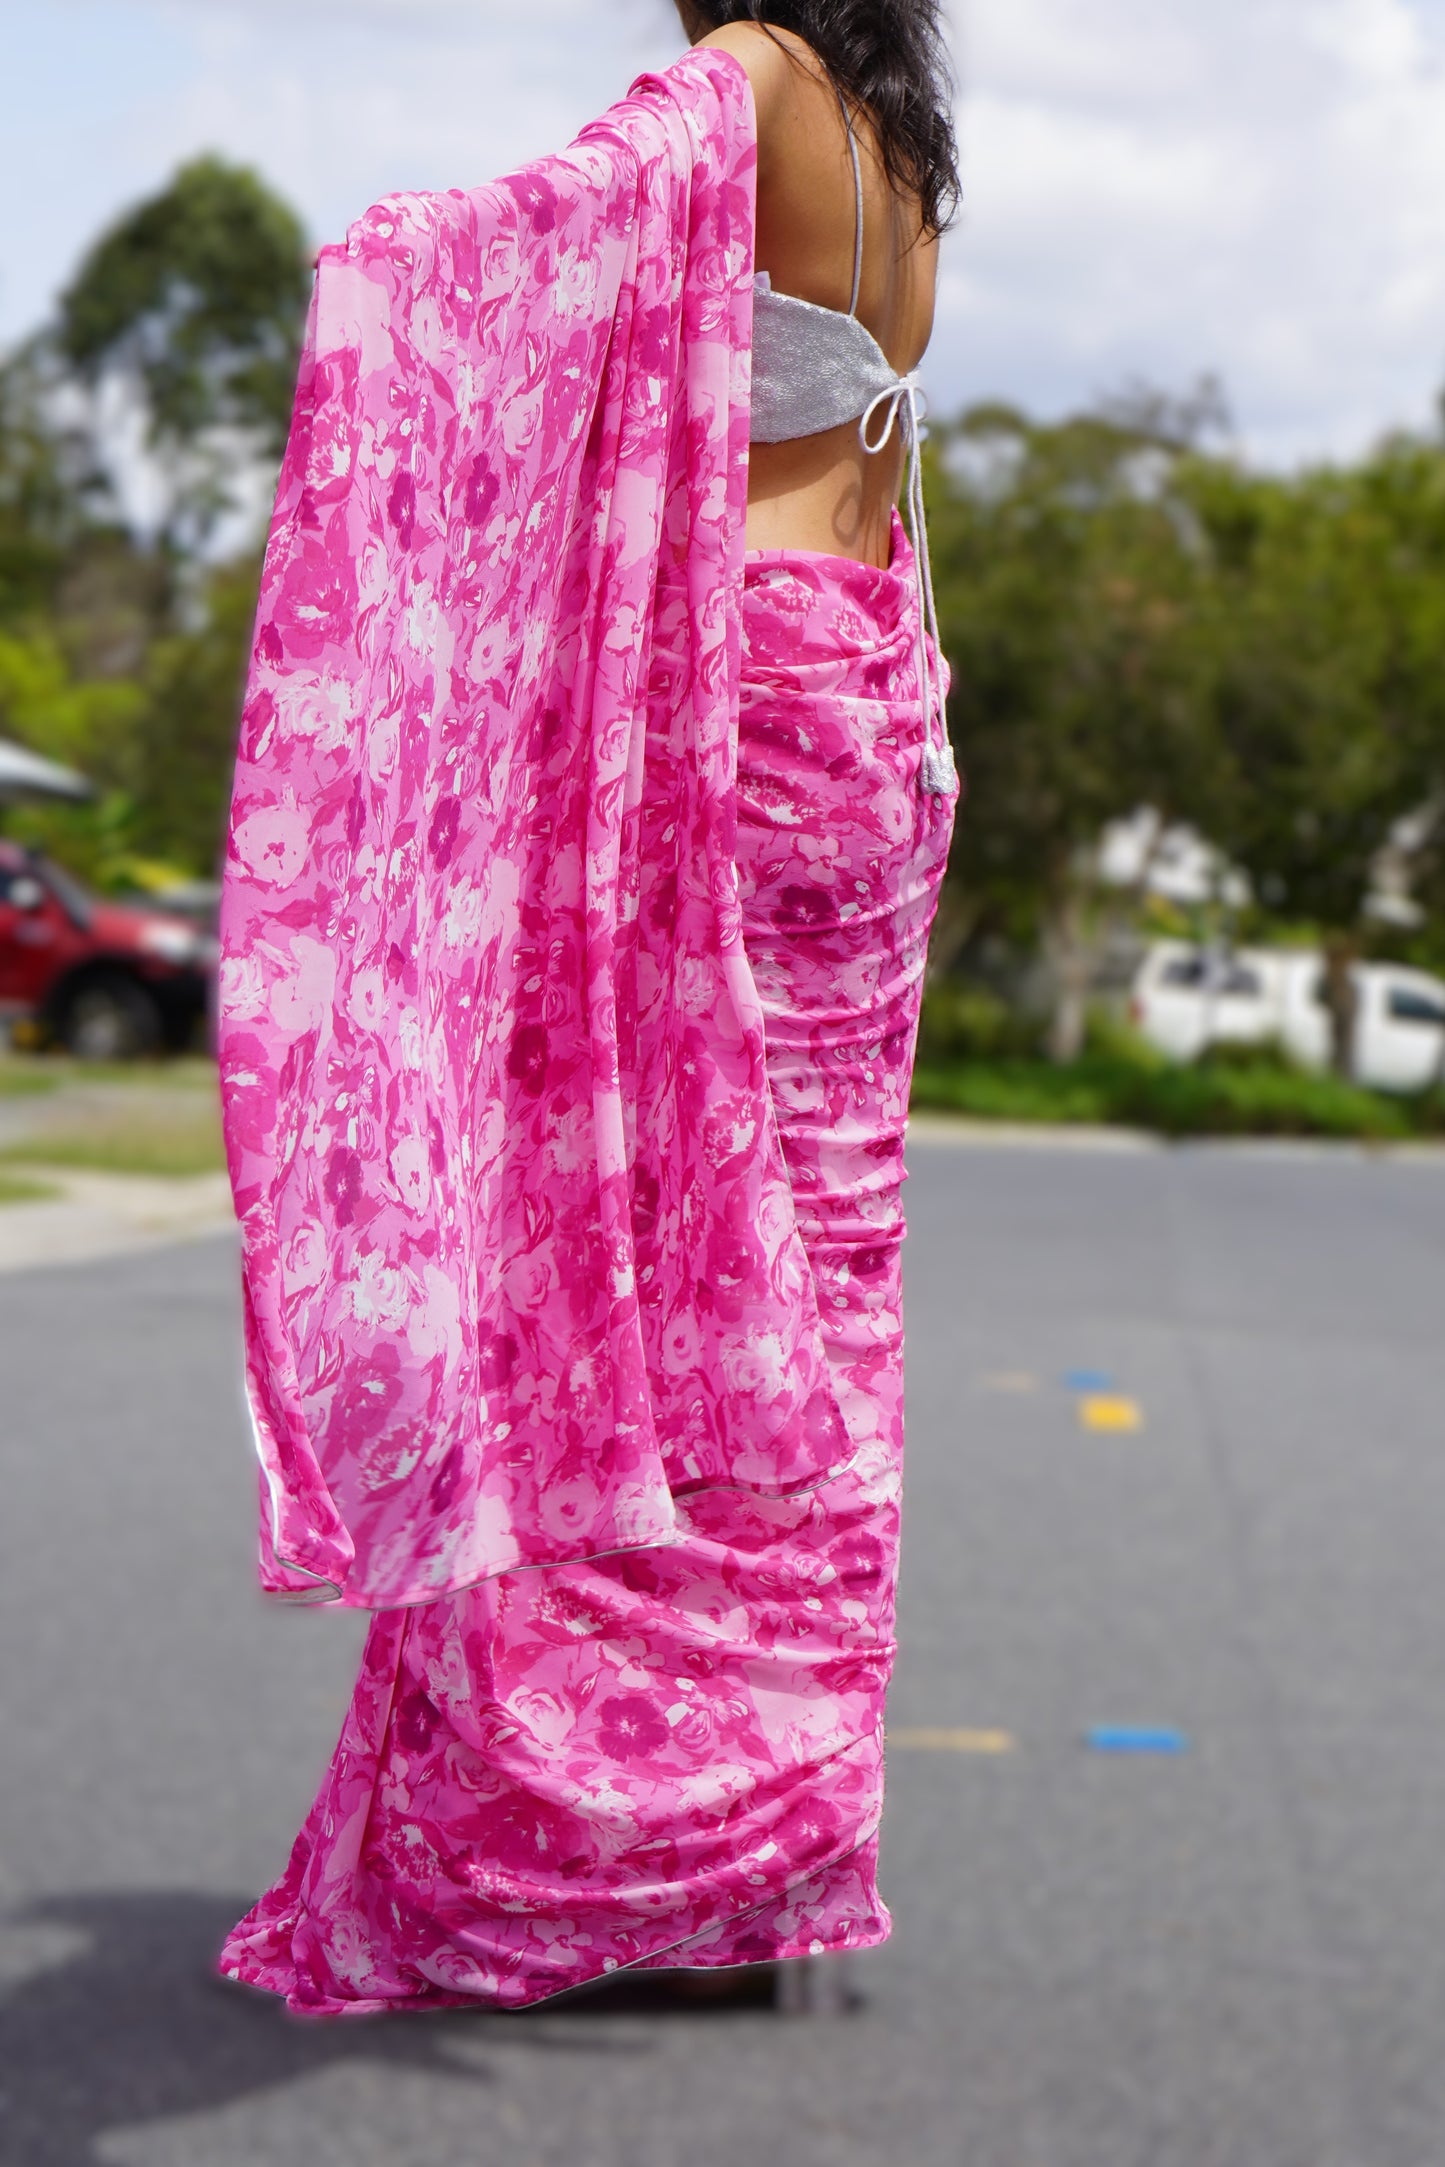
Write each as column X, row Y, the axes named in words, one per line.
column 824, row 492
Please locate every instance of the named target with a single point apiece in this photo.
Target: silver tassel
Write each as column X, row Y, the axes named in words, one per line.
column 938, row 771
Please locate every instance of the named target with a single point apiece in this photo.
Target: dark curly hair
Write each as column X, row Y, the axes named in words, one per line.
column 890, row 58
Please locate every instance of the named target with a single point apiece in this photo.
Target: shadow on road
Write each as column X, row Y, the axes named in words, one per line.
column 132, row 2027
column 117, row 2020
column 120, row 2021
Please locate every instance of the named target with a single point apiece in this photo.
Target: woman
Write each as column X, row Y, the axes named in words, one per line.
column 663, row 1748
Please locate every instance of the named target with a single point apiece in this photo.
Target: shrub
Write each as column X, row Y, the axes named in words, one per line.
column 965, row 1022
column 1262, row 1096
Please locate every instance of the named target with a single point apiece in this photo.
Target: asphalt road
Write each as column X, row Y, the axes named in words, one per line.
column 1229, row 1956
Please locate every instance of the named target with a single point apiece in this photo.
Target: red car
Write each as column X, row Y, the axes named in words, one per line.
column 108, row 980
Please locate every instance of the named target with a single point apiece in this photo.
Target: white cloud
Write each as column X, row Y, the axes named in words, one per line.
column 355, row 100
column 482, row 19
column 1257, row 187
column 1151, row 187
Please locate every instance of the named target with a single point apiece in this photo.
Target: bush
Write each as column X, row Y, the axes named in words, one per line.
column 1109, row 1036
column 1014, row 1090
column 1261, row 1096
column 1258, row 1056
column 1212, row 1098
column 966, row 1022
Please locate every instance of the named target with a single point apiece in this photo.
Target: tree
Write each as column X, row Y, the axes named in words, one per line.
column 1134, row 618
column 1067, row 567
column 43, row 705
column 159, row 743
column 184, row 745
column 118, row 655
column 48, row 493
column 193, row 303
column 1327, row 595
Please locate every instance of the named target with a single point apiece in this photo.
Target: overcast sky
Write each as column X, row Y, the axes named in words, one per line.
column 1152, row 187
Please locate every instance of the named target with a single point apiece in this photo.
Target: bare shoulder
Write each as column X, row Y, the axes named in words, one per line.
column 772, row 61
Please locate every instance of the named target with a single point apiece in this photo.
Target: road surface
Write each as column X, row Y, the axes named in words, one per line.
column 1228, row 1955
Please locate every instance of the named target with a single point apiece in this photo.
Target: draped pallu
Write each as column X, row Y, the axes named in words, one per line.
column 522, row 1265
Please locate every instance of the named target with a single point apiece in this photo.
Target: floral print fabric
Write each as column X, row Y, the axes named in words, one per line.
column 520, row 1256
column 675, row 1756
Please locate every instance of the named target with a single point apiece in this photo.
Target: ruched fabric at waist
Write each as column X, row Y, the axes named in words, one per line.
column 839, row 857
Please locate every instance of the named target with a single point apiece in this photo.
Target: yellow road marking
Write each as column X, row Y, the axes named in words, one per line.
column 1105, row 1411
column 947, row 1741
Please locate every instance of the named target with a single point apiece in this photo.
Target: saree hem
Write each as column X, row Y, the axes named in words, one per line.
column 255, row 1977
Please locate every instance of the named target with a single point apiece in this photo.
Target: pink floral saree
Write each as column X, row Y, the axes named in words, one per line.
column 572, row 1231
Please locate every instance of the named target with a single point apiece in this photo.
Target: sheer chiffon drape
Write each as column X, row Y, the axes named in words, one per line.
column 675, row 1756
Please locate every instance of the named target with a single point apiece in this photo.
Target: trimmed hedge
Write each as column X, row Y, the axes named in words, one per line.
column 1208, row 1098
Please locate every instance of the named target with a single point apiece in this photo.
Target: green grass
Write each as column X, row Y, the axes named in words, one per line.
column 172, row 1152
column 183, row 1072
column 20, row 1189
column 30, row 1075
column 1207, row 1099
column 25, row 1079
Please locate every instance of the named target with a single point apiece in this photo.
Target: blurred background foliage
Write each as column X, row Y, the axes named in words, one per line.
column 123, row 638
column 1133, row 617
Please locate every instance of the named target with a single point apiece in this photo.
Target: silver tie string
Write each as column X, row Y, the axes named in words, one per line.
column 937, row 773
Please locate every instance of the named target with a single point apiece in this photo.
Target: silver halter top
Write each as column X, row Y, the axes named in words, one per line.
column 814, row 368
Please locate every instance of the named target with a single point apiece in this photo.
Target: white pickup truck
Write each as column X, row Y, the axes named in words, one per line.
column 1185, row 999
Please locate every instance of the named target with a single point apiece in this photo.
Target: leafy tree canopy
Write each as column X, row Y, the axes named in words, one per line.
column 198, row 292
column 193, row 303
column 1068, row 567
column 1134, row 618
column 47, row 499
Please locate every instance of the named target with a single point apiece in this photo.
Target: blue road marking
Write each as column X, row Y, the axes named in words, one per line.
column 1134, row 1738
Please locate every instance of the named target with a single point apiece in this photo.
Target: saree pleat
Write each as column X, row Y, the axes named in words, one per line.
column 675, row 1755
